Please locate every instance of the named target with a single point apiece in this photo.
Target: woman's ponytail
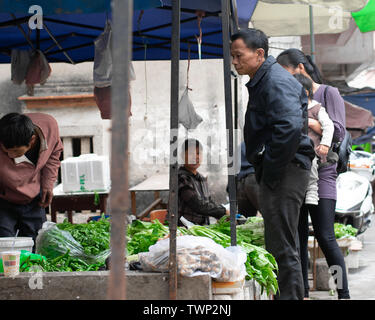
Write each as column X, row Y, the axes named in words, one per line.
column 314, row 71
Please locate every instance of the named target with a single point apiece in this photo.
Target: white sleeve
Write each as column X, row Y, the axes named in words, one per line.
column 327, row 127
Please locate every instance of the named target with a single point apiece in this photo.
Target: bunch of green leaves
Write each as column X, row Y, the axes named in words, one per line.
column 260, row 264
column 252, row 231
column 61, row 263
column 142, row 235
column 342, row 230
column 93, row 236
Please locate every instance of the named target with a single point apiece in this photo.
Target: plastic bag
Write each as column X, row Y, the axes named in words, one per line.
column 103, row 59
column 186, row 112
column 197, row 256
column 52, row 242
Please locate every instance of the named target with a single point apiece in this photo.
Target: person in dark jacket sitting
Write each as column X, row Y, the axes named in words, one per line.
column 194, row 200
column 278, row 147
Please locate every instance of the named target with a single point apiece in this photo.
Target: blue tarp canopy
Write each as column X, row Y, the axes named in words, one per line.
column 364, row 100
column 71, row 26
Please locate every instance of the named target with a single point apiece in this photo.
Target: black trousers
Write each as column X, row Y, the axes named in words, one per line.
column 28, row 219
column 280, row 209
column 248, row 195
column 322, row 218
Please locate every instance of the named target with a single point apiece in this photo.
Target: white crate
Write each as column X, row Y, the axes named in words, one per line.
column 88, row 172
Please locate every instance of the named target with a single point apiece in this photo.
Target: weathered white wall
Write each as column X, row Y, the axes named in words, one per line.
column 150, row 123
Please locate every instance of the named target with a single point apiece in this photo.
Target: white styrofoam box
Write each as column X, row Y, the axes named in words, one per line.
column 88, row 172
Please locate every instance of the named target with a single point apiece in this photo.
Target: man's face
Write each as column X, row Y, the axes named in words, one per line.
column 246, row 61
column 15, row 152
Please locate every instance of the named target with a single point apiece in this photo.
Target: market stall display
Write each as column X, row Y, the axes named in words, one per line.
column 86, row 247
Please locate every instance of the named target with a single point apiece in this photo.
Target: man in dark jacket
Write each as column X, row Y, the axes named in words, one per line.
column 277, row 144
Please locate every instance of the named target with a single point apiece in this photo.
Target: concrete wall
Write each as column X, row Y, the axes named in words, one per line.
column 92, row 285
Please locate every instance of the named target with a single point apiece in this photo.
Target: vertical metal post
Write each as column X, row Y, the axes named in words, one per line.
column 312, row 36
column 173, row 167
column 119, row 195
column 225, row 14
column 237, row 158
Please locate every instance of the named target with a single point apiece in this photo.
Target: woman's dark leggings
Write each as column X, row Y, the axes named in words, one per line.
column 322, row 218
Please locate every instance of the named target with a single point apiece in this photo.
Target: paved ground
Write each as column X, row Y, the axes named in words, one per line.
column 361, row 280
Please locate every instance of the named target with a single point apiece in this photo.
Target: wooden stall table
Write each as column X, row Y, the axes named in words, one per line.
column 155, row 183
column 76, row 201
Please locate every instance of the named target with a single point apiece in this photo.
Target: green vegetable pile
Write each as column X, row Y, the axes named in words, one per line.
column 260, row 264
column 61, row 263
column 93, row 236
column 84, row 247
column 142, row 235
column 342, row 230
column 252, row 231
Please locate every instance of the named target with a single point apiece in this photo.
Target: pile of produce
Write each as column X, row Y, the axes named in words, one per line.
column 73, row 247
column 85, row 247
column 260, row 264
column 252, row 231
column 93, row 236
column 196, row 256
column 342, row 230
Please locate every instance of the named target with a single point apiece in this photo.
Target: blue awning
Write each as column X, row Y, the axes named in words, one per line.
column 75, row 30
column 70, row 6
column 364, row 100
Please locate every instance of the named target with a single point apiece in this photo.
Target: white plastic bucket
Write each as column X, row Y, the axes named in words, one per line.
column 21, row 243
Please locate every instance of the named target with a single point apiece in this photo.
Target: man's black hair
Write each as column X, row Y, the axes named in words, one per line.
column 16, row 130
column 306, row 84
column 253, row 38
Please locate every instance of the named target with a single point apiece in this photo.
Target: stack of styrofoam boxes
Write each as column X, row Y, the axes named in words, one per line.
column 240, row 290
column 88, row 172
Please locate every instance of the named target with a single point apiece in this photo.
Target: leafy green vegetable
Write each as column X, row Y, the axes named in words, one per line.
column 252, row 231
column 93, row 236
column 342, row 230
column 260, row 264
column 144, row 234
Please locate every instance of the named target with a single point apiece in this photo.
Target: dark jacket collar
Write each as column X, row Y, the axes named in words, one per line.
column 261, row 71
column 197, row 176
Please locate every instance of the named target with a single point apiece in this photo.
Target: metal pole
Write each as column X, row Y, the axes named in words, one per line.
column 312, row 37
column 173, row 167
column 119, row 195
column 234, row 29
column 225, row 10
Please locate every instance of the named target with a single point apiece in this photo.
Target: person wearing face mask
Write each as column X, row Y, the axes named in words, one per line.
column 194, row 200
column 277, row 145
column 30, row 159
column 322, row 215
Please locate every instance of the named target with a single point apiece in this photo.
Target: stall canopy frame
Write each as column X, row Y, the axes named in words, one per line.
column 225, row 11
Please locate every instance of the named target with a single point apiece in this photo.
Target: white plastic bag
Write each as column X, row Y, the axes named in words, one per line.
column 103, row 59
column 197, row 256
column 186, row 112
